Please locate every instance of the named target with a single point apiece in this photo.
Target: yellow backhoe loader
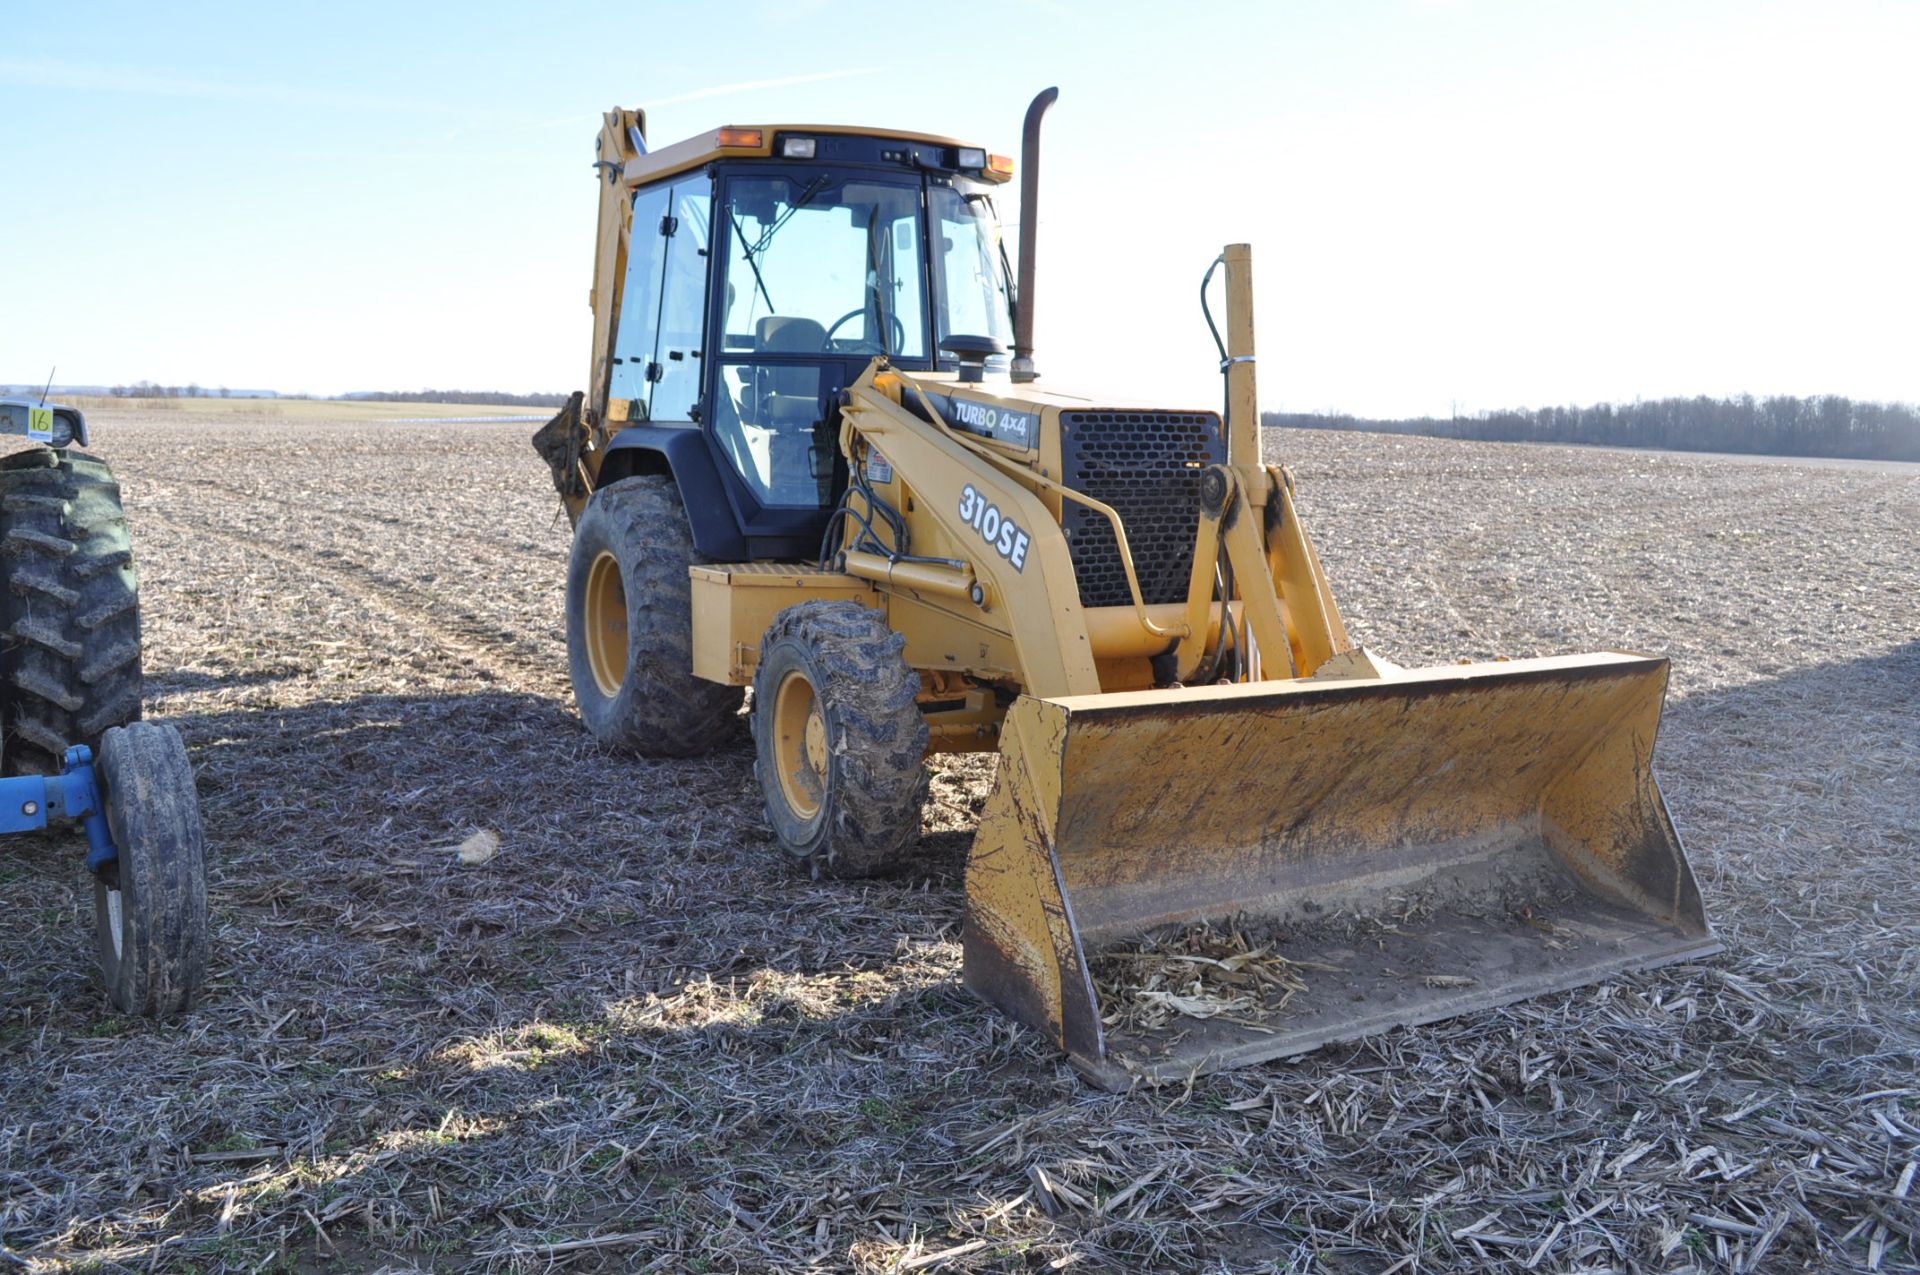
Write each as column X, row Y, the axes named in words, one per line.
column 807, row 464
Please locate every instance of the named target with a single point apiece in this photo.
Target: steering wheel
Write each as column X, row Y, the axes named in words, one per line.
column 865, row 345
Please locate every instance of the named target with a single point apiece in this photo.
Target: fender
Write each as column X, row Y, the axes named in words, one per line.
column 682, row 452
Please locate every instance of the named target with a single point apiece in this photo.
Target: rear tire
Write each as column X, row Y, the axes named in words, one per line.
column 69, row 608
column 150, row 904
column 839, row 742
column 630, row 626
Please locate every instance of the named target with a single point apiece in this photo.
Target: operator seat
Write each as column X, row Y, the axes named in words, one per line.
column 787, row 397
column 787, row 405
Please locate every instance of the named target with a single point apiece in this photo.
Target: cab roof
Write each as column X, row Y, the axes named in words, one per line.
column 739, row 141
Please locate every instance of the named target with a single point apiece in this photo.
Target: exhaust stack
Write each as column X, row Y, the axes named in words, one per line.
column 1022, row 370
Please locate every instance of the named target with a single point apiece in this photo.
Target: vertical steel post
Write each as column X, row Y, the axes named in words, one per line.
column 1243, row 400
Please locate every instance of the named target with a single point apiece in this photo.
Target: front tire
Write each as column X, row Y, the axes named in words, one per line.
column 150, row 903
column 630, row 626
column 839, row 742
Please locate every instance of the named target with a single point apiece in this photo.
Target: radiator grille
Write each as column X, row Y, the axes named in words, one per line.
column 1147, row 466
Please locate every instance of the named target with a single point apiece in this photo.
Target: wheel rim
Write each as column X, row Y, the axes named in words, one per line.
column 606, row 624
column 114, row 923
column 800, row 745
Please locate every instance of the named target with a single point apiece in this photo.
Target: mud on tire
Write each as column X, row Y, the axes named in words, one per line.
column 846, row 800
column 635, row 687
column 69, row 608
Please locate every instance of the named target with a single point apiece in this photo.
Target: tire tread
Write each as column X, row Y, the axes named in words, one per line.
column 154, row 814
column 69, row 608
column 870, row 693
column 662, row 709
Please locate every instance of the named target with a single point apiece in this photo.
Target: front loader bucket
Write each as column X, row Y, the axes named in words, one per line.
column 1179, row 881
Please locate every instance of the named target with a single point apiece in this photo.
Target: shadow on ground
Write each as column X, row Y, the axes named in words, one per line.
column 636, row 1020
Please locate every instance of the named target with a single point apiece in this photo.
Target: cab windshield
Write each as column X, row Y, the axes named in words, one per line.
column 823, row 271
column 818, row 264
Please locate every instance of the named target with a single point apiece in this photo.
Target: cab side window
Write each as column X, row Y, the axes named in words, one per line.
column 683, row 303
column 635, row 342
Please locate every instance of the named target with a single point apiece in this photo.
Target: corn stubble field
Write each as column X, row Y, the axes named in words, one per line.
column 635, row 1038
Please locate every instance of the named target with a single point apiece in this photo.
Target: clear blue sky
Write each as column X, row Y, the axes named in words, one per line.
column 1481, row 202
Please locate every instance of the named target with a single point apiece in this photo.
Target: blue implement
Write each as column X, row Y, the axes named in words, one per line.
column 30, row 802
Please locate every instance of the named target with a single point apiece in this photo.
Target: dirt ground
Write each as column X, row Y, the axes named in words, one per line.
column 635, row 1038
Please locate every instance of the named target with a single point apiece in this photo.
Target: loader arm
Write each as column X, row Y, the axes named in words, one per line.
column 1248, row 522
column 1026, row 592
column 1279, row 593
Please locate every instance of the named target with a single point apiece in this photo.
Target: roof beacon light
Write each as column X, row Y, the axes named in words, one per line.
column 1000, row 166
column 972, row 157
column 797, row 147
column 752, row 137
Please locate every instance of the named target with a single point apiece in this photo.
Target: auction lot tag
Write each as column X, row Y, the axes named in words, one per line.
column 40, row 424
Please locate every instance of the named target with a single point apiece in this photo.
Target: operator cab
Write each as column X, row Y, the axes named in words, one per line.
column 757, row 288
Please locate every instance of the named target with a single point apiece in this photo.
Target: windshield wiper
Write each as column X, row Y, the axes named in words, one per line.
column 747, row 254
column 751, row 252
column 800, row 201
column 873, row 289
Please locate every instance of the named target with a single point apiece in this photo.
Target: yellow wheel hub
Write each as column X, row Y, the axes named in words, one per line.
column 800, row 745
column 606, row 624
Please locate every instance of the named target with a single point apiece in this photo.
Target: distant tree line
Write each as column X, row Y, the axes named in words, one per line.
column 147, row 389
column 1828, row 425
column 464, row 396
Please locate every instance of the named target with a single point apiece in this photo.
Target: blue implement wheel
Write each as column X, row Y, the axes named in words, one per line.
column 150, row 903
